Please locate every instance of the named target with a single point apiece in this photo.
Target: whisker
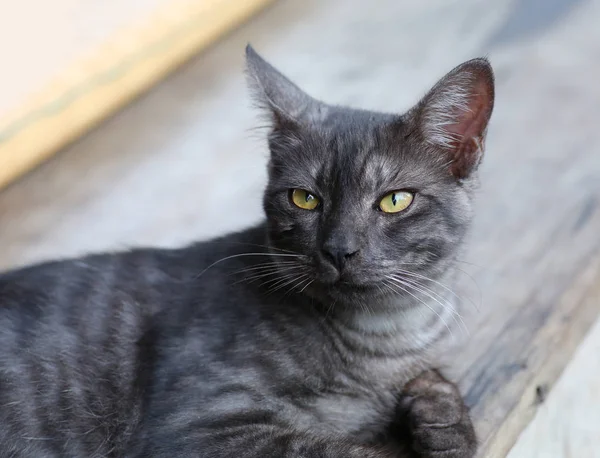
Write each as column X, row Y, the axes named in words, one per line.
column 480, row 293
column 431, row 294
column 330, row 308
column 269, row 267
column 426, row 305
column 446, row 287
column 298, row 285
column 306, row 286
column 287, row 283
column 468, row 263
column 246, row 254
column 392, row 287
column 265, row 246
column 257, row 276
column 275, row 271
column 426, row 290
column 455, row 260
column 280, row 279
column 274, row 264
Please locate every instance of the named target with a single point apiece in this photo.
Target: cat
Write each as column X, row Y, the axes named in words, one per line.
column 317, row 333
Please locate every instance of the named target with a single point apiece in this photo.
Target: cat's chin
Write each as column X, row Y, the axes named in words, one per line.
column 344, row 292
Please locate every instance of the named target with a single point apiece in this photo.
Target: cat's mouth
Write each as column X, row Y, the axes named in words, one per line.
column 344, row 285
column 346, row 279
column 354, row 285
column 343, row 292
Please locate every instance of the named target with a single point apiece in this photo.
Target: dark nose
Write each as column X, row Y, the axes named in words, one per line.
column 338, row 254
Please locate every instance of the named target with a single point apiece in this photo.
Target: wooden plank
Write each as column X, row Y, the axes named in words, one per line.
column 545, row 296
column 527, row 383
column 127, row 65
column 566, row 425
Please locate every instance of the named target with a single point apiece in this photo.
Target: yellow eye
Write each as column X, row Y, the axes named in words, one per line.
column 396, row 201
column 304, row 199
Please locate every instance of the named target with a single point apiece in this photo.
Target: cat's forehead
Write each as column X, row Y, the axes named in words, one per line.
column 343, row 120
column 351, row 137
column 354, row 149
column 364, row 149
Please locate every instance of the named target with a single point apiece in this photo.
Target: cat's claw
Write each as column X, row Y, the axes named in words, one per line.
column 437, row 418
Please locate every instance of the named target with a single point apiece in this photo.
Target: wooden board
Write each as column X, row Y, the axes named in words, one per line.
column 171, row 168
column 505, row 391
column 110, row 76
column 566, row 424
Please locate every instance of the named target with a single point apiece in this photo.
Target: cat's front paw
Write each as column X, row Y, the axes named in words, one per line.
column 436, row 417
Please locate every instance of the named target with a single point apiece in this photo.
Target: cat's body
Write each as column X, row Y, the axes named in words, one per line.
column 252, row 345
column 101, row 363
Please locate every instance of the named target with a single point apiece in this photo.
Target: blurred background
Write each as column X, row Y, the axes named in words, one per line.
column 128, row 123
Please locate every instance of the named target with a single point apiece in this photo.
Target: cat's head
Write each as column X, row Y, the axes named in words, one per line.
column 363, row 196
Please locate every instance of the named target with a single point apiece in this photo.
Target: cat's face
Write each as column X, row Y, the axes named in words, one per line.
column 368, row 198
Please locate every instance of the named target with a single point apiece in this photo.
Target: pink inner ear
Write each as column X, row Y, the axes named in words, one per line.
column 469, row 131
column 471, row 123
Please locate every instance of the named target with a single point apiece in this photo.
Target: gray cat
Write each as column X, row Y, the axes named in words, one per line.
column 314, row 334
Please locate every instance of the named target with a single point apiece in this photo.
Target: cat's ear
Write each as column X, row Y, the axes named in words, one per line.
column 285, row 102
column 454, row 115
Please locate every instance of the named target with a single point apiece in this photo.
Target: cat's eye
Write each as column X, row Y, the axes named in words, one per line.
column 304, row 199
column 396, row 201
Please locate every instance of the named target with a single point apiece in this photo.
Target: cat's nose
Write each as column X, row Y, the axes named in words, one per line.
column 338, row 254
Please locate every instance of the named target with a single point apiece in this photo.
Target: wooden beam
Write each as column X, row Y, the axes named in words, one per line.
column 91, row 90
column 551, row 347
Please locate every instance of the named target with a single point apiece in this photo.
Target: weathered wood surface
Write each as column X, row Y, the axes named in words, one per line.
column 171, row 167
column 567, row 424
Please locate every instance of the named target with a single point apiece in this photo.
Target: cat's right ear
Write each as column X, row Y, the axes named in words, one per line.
column 454, row 115
column 285, row 103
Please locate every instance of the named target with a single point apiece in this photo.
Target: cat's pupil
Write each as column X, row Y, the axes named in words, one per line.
column 394, row 200
column 309, row 197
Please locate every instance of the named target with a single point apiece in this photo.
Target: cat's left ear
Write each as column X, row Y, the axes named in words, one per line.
column 454, row 115
column 286, row 104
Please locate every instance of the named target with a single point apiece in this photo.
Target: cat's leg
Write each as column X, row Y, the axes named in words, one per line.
column 435, row 418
